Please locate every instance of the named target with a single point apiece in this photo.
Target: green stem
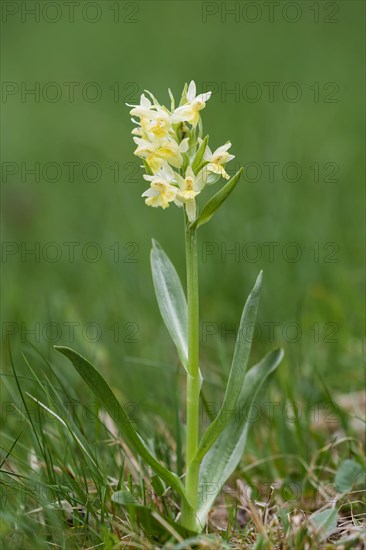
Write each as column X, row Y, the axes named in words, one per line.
column 193, row 381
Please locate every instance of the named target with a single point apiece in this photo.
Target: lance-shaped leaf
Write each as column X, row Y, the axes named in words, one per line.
column 216, row 201
column 224, row 456
column 109, row 401
column 171, row 300
column 237, row 372
column 199, row 155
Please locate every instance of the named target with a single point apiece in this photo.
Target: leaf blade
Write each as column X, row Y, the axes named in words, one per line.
column 225, row 454
column 101, row 389
column 171, row 300
column 237, row 371
column 216, row 201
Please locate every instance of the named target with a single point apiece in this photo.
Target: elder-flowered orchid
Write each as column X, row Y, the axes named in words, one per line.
column 179, row 164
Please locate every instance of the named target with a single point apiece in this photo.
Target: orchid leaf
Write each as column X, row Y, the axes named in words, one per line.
column 171, row 300
column 237, row 371
column 101, row 389
column 224, row 456
column 216, row 201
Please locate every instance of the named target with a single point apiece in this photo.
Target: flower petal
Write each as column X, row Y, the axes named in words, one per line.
column 202, row 98
column 191, row 92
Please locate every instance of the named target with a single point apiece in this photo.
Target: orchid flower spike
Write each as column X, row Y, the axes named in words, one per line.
column 178, row 162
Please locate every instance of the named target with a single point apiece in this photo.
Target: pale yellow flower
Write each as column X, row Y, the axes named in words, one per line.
column 189, row 188
column 218, row 159
column 189, row 112
column 144, row 108
column 153, row 118
column 157, row 151
column 157, row 136
column 161, row 191
column 160, row 124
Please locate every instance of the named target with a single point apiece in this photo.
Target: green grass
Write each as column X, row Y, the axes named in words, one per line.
column 56, row 489
column 69, row 481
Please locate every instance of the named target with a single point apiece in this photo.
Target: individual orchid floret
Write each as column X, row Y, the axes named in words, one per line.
column 160, row 194
column 161, row 191
column 165, row 173
column 160, row 124
column 144, row 109
column 189, row 111
column 217, row 159
column 189, row 187
column 153, row 118
column 157, row 151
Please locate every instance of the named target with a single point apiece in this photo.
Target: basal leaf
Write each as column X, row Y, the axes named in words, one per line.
column 171, row 300
column 237, row 371
column 216, row 201
column 225, row 454
column 101, row 389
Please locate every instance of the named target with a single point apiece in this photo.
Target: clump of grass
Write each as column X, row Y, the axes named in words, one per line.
column 69, row 481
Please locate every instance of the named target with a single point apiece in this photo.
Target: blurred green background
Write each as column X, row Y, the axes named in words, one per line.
column 298, row 76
